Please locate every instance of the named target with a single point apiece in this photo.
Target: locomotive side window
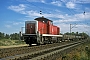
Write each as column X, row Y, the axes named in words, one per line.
column 51, row 22
column 45, row 21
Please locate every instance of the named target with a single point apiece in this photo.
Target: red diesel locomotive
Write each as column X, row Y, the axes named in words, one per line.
column 41, row 31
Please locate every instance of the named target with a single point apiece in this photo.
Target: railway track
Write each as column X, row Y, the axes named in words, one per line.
column 37, row 52
column 6, row 52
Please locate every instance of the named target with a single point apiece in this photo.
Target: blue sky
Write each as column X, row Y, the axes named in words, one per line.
column 14, row 13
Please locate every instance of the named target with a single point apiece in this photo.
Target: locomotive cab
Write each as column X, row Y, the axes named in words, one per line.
column 30, row 36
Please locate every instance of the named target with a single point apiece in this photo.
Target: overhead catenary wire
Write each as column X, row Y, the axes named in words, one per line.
column 44, row 10
column 84, row 12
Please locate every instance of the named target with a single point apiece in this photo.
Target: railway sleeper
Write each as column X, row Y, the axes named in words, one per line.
column 34, row 54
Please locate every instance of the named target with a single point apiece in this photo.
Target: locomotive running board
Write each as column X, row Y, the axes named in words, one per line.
column 52, row 35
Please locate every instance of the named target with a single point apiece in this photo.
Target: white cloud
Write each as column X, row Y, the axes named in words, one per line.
column 65, row 21
column 81, row 28
column 17, row 23
column 57, row 3
column 70, row 5
column 82, row 1
column 32, row 13
column 13, row 23
column 87, row 9
column 8, row 26
column 53, row 15
column 73, row 18
column 83, row 16
column 77, row 28
column 42, row 1
column 77, row 1
column 62, row 17
column 63, row 27
column 18, row 8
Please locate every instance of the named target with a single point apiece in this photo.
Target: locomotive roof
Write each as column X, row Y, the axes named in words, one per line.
column 42, row 18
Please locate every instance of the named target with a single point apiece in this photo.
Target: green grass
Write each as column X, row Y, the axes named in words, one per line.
column 80, row 53
column 8, row 42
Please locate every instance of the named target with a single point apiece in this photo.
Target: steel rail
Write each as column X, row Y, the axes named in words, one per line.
column 43, row 53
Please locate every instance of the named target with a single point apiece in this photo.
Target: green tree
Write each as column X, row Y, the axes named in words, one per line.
column 76, row 33
column 84, row 34
column 2, row 35
column 67, row 33
column 72, row 33
column 61, row 34
column 7, row 36
column 14, row 36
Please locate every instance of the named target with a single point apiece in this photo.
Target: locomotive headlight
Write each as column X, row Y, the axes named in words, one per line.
column 31, row 26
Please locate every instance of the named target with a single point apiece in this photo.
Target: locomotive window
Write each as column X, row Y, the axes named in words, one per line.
column 51, row 23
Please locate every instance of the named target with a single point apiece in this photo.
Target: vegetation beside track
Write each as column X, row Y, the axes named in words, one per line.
column 81, row 52
column 8, row 42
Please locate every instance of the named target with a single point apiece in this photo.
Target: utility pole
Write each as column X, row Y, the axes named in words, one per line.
column 21, row 33
column 22, row 29
column 70, row 28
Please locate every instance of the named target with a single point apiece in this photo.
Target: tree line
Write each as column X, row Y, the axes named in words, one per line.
column 78, row 34
column 14, row 36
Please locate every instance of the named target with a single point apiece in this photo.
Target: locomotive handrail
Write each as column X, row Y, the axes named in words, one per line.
column 52, row 35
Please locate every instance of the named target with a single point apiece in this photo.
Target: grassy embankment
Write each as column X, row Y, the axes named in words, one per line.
column 80, row 53
column 8, row 42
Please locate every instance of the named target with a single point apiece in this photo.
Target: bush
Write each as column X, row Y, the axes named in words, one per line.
column 7, row 42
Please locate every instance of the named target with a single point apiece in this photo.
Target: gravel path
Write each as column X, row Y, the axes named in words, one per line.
column 13, row 46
